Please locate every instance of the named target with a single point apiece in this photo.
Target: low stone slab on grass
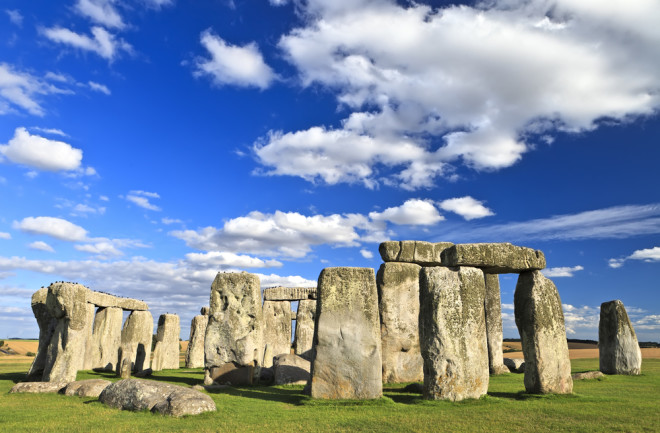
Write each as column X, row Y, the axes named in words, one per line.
column 515, row 365
column 587, row 375
column 38, row 387
column 164, row 398
column 291, row 369
column 494, row 258
column 86, row 388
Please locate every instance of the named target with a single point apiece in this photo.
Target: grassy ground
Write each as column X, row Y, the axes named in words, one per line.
column 613, row 404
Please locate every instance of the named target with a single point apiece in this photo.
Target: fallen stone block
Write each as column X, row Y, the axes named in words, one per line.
column 86, row 388
column 38, row 387
column 290, row 369
column 588, row 375
column 617, row 342
column 494, row 258
column 105, row 300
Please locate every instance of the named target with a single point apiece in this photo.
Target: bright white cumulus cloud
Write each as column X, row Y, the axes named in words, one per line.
column 232, row 64
column 101, row 42
column 461, row 85
column 467, row 207
column 648, row 255
column 55, row 227
column 41, row 153
column 562, row 271
column 412, row 212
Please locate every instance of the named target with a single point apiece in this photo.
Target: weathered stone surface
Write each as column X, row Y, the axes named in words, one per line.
column 232, row 374
column 289, row 293
column 86, row 388
column 234, row 334
column 166, row 399
column 587, row 375
column 418, row 252
column 204, row 311
column 277, row 328
column 47, row 325
column 166, row 350
column 106, row 300
column 493, row 309
column 347, row 353
column 305, row 318
column 66, row 302
column 106, row 338
column 124, row 368
column 290, row 369
column 499, row 258
column 90, row 314
column 144, row 373
column 515, row 365
column 398, row 300
column 136, row 336
column 540, row 322
column 452, row 332
column 38, row 387
column 617, row 341
column 195, row 352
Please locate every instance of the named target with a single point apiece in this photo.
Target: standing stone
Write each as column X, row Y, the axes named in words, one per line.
column 493, row 308
column 106, row 338
column 305, row 319
column 90, row 314
column 347, row 345
column 47, row 325
column 195, row 352
column 277, row 328
column 398, row 300
column 166, row 350
column 540, row 322
column 136, row 336
column 66, row 303
column 234, row 335
column 617, row 342
column 452, row 331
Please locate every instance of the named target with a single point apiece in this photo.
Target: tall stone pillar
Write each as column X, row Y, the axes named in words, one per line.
column 305, row 318
column 136, row 336
column 617, row 341
column 106, row 338
column 493, row 308
column 195, row 352
column 277, row 329
column 47, row 324
column 166, row 350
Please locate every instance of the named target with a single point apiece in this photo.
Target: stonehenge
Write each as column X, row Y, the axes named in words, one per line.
column 195, row 351
column 166, row 350
column 136, row 336
column 617, row 341
column 277, row 329
column 493, row 311
column 305, row 318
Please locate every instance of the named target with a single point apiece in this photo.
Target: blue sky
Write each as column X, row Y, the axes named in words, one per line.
column 146, row 145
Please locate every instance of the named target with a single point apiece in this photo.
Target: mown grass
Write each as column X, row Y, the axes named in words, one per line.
column 613, row 404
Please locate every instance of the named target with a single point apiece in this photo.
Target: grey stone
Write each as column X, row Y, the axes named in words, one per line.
column 540, row 322
column 289, row 293
column 493, row 309
column 166, row 350
column 66, row 302
column 398, row 300
column 277, row 328
column 291, row 369
column 498, row 258
column 195, row 351
column 124, row 368
column 47, row 325
column 105, row 300
column 514, row 365
column 106, row 338
column 204, row 311
column 452, row 331
column 144, row 373
column 90, row 314
column 86, row 388
column 234, row 334
column 587, row 375
column 418, row 252
column 38, row 387
column 617, row 341
column 305, row 318
column 347, row 352
column 136, row 338
column 163, row 398
column 232, row 374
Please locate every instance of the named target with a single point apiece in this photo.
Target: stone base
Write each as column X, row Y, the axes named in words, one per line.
column 233, row 374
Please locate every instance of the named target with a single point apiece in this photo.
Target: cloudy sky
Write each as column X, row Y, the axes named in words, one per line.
column 146, row 145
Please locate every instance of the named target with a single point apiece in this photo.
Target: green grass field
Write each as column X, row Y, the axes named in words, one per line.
column 613, row 404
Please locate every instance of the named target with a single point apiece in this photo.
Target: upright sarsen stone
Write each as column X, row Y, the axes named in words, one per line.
column 452, row 333
column 47, row 324
column 166, row 350
column 195, row 352
column 106, row 338
column 617, row 341
column 398, row 300
column 234, row 335
column 277, row 329
column 347, row 345
column 540, row 322
column 305, row 318
column 493, row 311
column 136, row 336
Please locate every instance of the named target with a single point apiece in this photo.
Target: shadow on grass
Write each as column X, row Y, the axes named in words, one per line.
column 14, row 377
column 290, row 396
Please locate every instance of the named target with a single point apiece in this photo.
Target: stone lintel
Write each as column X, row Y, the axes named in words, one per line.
column 105, row 300
column 289, row 293
column 494, row 258
column 418, row 252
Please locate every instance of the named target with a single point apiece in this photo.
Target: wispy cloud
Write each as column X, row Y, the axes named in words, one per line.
column 564, row 271
column 141, row 198
column 648, row 255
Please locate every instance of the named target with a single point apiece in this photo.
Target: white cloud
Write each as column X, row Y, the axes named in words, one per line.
column 581, row 319
column 15, row 17
column 232, row 64
column 103, row 249
column 467, row 207
column 87, row 209
column 104, row 198
column 21, row 90
column 367, row 254
column 157, row 4
column 101, row 12
column 216, row 259
column 41, row 153
column 51, row 131
column 5, row 235
column 561, row 271
column 50, row 226
column 648, row 255
column 99, row 87
column 168, row 221
column 477, row 86
column 278, row 2
column 41, row 246
column 101, row 42
column 145, row 193
column 412, row 212
column 141, row 198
